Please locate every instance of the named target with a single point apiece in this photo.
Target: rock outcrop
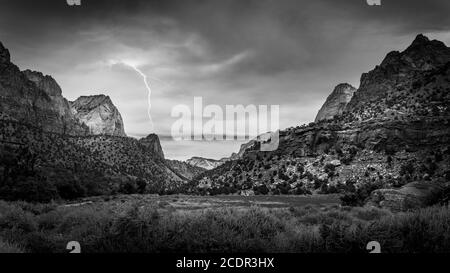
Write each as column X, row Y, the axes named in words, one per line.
column 152, row 144
column 33, row 98
column 411, row 196
column 99, row 114
column 336, row 102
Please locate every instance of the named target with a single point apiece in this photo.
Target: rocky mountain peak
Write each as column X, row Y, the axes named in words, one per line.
column 100, row 114
column 399, row 71
column 423, row 41
column 422, row 54
column 336, row 102
column 420, row 40
column 4, row 54
column 87, row 102
column 151, row 142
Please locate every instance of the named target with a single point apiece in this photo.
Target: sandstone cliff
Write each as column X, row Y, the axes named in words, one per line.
column 31, row 97
column 52, row 89
column 99, row 114
column 336, row 102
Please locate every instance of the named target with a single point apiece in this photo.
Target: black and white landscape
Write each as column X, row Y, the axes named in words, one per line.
column 364, row 143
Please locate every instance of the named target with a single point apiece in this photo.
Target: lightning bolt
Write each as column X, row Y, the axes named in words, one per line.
column 144, row 77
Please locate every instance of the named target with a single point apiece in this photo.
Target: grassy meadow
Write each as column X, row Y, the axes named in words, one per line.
column 197, row 224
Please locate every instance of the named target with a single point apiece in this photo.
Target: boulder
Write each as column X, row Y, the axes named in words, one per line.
column 411, row 196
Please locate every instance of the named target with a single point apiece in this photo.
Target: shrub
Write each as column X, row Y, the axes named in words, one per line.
column 128, row 187
column 359, row 195
column 407, row 168
column 7, row 247
column 330, row 169
column 262, row 189
column 350, row 199
column 70, row 189
column 30, row 189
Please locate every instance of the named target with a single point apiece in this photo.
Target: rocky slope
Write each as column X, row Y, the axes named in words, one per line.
column 99, row 114
column 31, row 97
column 336, row 102
column 184, row 169
column 395, row 130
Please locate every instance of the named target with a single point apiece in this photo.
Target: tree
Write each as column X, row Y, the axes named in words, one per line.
column 330, row 169
column 141, row 185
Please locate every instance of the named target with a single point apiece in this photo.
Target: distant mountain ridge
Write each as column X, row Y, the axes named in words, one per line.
column 205, row 163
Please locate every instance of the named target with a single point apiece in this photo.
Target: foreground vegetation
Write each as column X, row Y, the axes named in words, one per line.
column 158, row 227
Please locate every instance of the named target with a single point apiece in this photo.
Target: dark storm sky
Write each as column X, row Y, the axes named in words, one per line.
column 286, row 52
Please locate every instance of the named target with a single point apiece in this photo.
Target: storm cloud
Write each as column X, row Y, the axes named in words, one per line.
column 286, row 52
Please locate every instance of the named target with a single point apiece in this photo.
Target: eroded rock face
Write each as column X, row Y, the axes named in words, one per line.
column 44, row 82
column 52, row 89
column 30, row 97
column 99, row 114
column 411, row 196
column 336, row 102
column 205, row 163
column 151, row 142
column 371, row 135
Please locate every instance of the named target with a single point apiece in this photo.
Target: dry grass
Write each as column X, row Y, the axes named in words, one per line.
column 6, row 247
column 158, row 227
